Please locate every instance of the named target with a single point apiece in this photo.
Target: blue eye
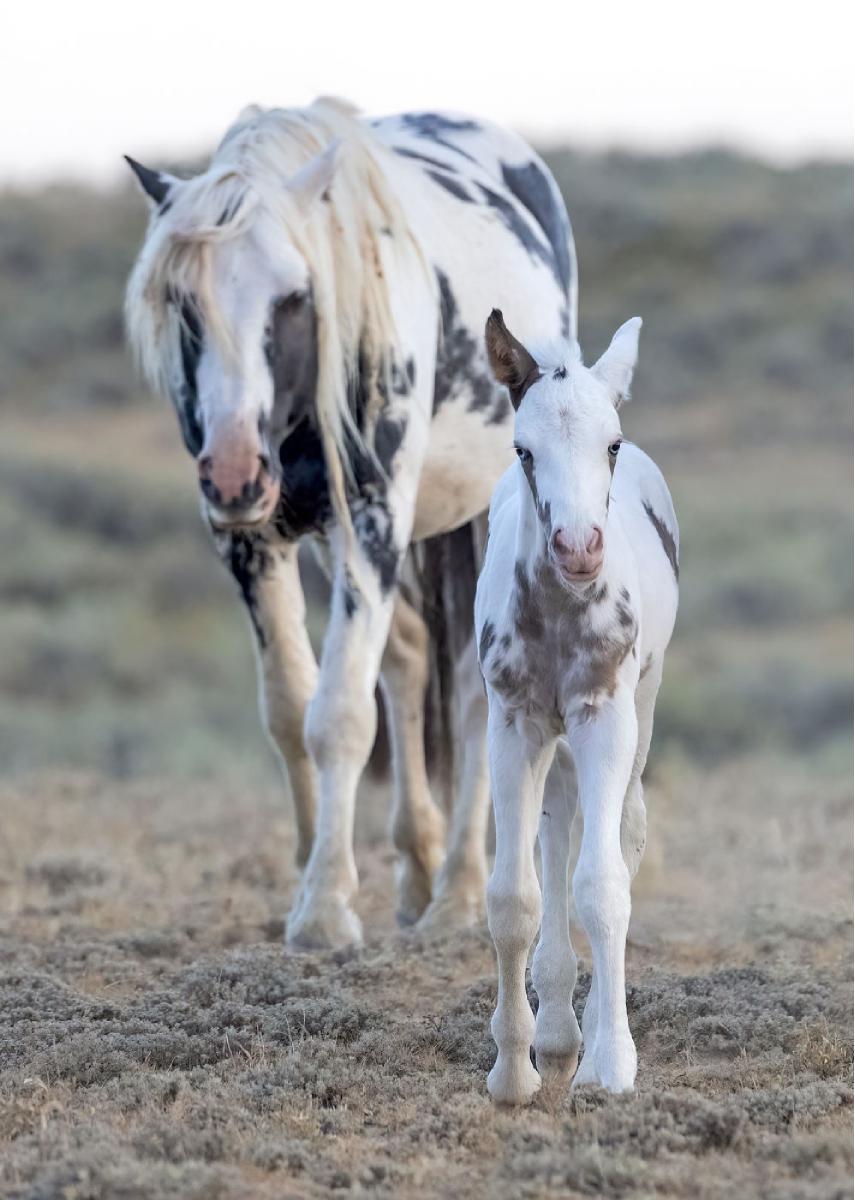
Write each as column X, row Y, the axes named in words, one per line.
column 522, row 454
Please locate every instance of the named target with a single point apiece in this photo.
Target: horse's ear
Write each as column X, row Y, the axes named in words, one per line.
column 510, row 362
column 313, row 180
column 156, row 185
column 616, row 366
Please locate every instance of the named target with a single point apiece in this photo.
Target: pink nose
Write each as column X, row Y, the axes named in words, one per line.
column 575, row 561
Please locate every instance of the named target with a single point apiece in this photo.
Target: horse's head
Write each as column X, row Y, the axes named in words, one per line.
column 567, row 437
column 222, row 311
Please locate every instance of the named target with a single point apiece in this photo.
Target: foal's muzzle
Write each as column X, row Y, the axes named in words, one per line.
column 576, row 564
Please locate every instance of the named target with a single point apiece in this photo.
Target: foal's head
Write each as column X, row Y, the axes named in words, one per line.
column 567, row 437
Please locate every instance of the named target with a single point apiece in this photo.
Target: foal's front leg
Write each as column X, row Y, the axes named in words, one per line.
column 517, row 768
column 340, row 725
column 604, row 748
column 553, row 970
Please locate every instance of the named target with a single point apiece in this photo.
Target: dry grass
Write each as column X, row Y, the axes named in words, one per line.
column 158, row 1042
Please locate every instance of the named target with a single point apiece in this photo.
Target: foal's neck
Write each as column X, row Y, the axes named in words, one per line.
column 531, row 546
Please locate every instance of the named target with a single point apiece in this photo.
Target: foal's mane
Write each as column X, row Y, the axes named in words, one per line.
column 339, row 240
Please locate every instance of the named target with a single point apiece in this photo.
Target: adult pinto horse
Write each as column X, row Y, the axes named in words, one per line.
column 313, row 304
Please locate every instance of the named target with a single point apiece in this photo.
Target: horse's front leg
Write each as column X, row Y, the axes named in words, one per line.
column 417, row 825
column 340, row 725
column 460, row 886
column 604, row 749
column 518, row 765
column 269, row 580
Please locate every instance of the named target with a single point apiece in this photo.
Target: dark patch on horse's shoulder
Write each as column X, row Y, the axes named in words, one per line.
column 666, row 537
column 533, row 188
column 461, row 360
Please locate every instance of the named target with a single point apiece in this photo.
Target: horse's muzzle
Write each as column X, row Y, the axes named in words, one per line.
column 237, row 498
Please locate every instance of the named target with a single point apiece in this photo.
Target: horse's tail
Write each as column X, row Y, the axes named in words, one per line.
column 447, row 569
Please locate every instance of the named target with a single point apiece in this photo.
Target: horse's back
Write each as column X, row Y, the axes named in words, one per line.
column 479, row 194
column 492, row 223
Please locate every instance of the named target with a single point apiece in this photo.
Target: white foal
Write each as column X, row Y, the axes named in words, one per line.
column 574, row 610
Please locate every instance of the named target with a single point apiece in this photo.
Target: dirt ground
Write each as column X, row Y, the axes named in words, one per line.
column 158, row 1042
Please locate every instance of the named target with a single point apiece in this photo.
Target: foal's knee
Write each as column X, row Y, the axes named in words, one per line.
column 513, row 915
column 340, row 728
column 602, row 899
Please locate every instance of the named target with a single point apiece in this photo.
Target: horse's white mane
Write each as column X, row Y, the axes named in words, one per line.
column 339, row 241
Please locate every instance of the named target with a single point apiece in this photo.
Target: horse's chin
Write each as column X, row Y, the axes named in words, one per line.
column 253, row 519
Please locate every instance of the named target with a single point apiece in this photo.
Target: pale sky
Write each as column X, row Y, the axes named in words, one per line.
column 82, row 83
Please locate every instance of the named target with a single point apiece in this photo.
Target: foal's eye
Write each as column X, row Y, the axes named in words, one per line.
column 613, row 449
column 522, row 454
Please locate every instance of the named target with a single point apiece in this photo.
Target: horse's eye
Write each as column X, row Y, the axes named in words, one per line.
column 522, row 454
column 613, row 449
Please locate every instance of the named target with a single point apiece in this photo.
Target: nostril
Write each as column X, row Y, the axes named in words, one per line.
column 265, row 463
column 595, row 541
column 560, row 543
column 205, row 463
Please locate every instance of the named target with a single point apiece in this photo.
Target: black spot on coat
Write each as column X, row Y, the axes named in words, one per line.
column 533, row 188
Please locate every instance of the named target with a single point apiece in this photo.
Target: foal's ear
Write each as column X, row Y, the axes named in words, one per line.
column 156, row 185
column 313, row 180
column 616, row 366
column 510, row 362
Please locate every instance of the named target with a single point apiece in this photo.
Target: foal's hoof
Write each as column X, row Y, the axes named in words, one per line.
column 513, row 1082
column 613, row 1069
column 556, row 1070
column 331, row 925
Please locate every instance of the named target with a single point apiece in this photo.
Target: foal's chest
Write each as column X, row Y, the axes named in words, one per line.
column 555, row 656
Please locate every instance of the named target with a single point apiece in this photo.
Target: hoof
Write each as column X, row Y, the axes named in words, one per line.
column 452, row 912
column 557, row 1042
column 513, row 1083
column 331, row 925
column 613, row 1071
column 556, row 1070
column 414, row 888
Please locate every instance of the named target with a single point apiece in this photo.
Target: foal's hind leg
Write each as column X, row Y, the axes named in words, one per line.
column 460, row 887
column 417, row 825
column 557, row 1037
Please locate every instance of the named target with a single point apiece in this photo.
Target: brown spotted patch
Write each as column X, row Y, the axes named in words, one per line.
column 558, row 665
